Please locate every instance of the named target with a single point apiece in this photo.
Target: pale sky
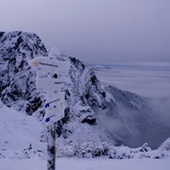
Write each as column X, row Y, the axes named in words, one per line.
column 95, row 31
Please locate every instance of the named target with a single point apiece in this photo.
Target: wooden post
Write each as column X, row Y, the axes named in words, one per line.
column 51, row 146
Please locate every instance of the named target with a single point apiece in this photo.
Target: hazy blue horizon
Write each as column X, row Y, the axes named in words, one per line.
column 146, row 79
column 165, row 65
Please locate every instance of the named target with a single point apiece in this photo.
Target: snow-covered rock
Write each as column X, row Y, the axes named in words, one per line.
column 165, row 146
column 17, row 79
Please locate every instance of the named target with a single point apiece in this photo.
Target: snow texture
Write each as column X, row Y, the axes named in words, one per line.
column 85, row 164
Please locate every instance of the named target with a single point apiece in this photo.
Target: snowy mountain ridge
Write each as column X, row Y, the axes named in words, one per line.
column 95, row 114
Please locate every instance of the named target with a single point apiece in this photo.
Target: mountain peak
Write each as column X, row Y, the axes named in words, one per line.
column 24, row 43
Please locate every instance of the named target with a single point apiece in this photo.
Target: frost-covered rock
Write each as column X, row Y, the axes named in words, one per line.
column 93, row 150
column 17, row 79
column 165, row 146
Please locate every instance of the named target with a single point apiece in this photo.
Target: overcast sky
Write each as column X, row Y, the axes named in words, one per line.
column 95, row 31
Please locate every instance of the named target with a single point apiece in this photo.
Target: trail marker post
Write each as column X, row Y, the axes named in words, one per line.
column 51, row 77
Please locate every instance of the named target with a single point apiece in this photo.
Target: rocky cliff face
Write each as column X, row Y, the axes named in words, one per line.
column 17, row 82
column 95, row 113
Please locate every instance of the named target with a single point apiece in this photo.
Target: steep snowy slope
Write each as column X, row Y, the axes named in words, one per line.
column 19, row 131
column 96, row 114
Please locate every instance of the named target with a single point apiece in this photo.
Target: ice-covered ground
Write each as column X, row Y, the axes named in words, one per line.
column 86, row 164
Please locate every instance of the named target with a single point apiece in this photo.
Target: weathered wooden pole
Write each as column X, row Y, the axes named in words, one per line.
column 54, row 111
column 51, row 146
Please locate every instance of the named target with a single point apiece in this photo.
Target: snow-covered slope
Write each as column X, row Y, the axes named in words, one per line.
column 18, row 130
column 20, row 134
column 96, row 114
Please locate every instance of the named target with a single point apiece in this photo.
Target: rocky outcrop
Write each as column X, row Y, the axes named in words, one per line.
column 165, row 146
column 17, row 82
